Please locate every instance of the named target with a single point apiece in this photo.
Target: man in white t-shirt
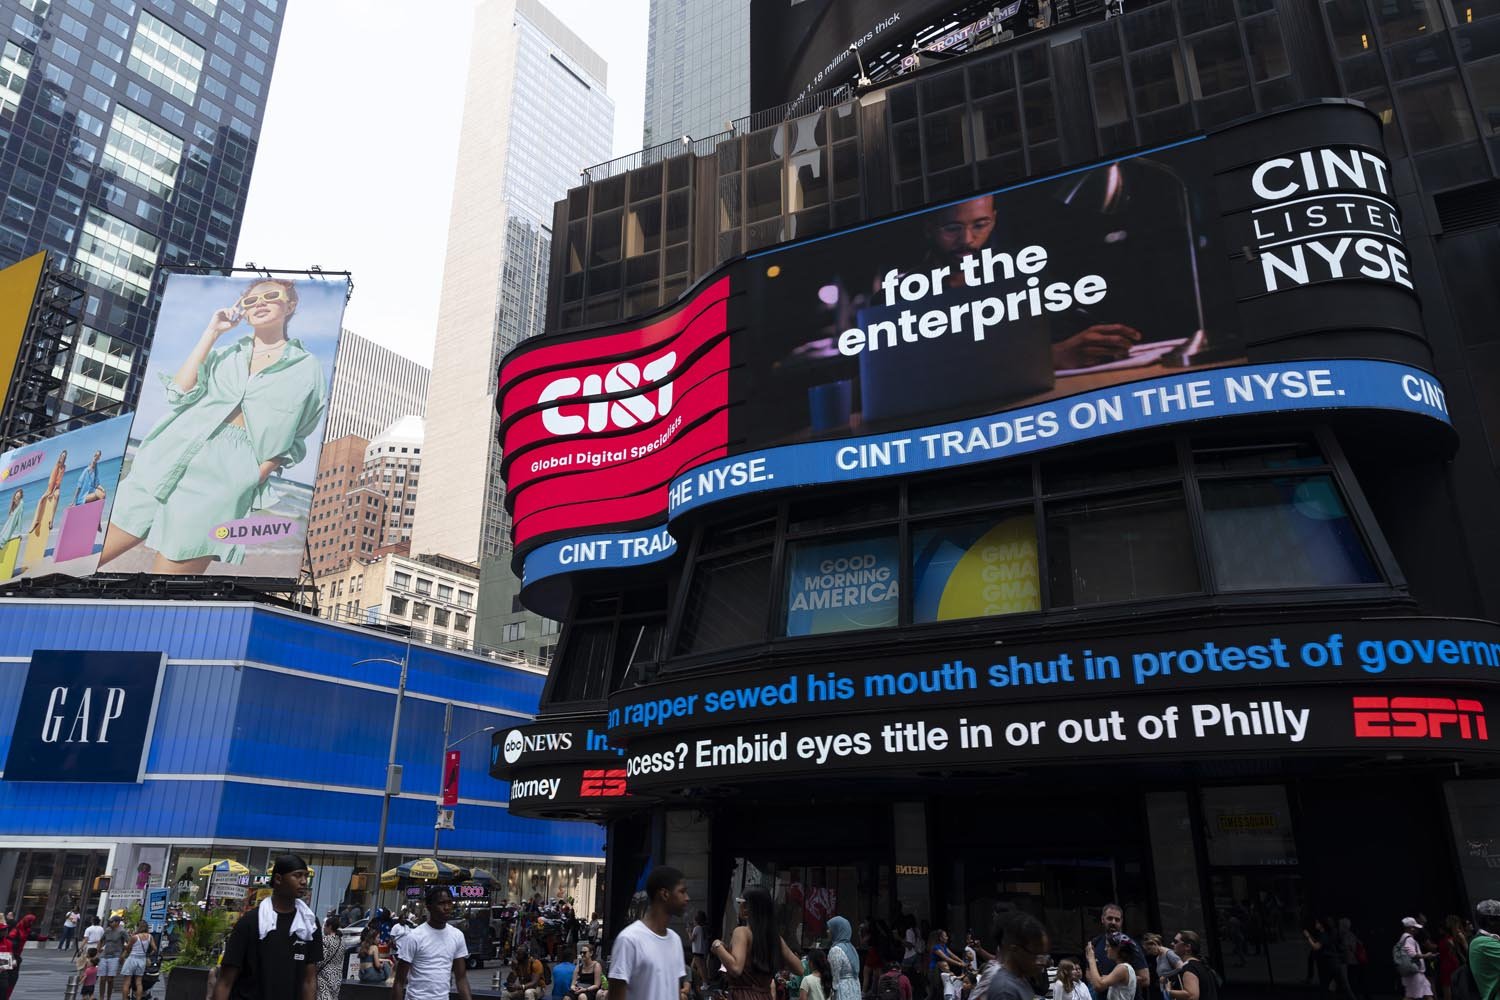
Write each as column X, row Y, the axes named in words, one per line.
column 432, row 953
column 92, row 934
column 647, row 961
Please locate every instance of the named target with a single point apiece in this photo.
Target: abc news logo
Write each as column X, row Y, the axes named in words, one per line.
column 1419, row 718
column 516, row 743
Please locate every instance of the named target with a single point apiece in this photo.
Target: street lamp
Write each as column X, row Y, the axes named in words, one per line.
column 437, row 831
column 391, row 778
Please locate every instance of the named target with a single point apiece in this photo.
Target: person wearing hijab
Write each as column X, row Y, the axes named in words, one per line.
column 844, row 961
column 274, row 950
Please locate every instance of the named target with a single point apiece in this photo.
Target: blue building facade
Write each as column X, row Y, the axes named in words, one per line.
column 267, row 734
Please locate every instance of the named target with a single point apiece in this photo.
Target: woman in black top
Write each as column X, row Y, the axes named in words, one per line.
column 585, row 975
column 1194, row 980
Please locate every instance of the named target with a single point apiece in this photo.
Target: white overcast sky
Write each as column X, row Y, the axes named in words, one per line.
column 355, row 166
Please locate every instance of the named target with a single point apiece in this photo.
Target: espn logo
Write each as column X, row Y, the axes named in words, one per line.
column 1419, row 718
column 601, row 784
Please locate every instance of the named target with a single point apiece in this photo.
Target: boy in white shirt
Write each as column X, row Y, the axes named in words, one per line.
column 647, row 961
column 428, row 956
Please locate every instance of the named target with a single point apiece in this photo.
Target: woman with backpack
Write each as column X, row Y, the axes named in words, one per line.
column 1194, row 979
column 1411, row 962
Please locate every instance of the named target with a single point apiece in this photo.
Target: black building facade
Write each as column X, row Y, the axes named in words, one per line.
column 1166, row 579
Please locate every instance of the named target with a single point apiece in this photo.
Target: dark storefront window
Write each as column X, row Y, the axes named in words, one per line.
column 1474, row 815
column 1125, row 547
column 609, row 643
column 1281, row 532
column 1259, row 898
column 728, row 602
column 1163, row 520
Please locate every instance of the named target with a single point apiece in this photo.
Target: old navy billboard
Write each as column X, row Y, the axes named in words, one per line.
column 219, row 475
column 1106, row 299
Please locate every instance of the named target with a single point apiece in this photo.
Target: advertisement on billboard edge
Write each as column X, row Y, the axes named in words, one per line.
column 57, row 495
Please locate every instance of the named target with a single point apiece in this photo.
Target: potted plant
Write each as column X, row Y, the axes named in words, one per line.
column 190, row 972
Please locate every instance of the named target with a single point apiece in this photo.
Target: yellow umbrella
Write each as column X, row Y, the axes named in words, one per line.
column 227, row 866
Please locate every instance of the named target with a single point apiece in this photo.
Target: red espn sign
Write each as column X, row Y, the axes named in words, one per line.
column 602, row 784
column 1419, row 718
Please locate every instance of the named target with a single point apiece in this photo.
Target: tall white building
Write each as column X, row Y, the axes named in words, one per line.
column 535, row 114
column 373, row 387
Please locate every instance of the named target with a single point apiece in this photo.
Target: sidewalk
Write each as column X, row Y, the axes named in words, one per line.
column 45, row 972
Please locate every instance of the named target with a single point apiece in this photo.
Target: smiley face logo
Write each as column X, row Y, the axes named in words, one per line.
column 221, row 532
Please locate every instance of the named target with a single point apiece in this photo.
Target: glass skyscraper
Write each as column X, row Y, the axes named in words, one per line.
column 127, row 136
column 535, row 114
column 697, row 68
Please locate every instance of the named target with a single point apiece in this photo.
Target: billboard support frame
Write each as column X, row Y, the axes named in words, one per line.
column 311, row 271
column 51, row 334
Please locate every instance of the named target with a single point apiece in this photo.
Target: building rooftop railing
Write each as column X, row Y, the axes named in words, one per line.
column 804, row 105
column 425, row 635
column 1066, row 12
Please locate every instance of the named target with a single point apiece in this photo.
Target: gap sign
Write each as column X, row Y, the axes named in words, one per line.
column 85, row 715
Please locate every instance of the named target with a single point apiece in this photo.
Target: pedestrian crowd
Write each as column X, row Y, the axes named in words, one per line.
column 277, row 950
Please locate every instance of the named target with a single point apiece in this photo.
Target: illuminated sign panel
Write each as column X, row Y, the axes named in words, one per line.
column 1134, row 294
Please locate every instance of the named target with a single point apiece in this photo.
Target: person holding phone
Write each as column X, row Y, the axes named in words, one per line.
column 237, row 413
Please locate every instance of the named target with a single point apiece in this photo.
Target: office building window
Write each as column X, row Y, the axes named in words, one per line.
column 398, row 607
column 418, row 612
column 424, row 586
column 445, row 592
column 142, row 152
column 465, row 599
column 440, row 617
column 515, row 632
column 403, row 580
column 166, row 57
column 116, row 255
column 15, row 65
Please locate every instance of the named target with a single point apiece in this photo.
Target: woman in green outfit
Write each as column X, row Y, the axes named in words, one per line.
column 12, row 527
column 236, row 415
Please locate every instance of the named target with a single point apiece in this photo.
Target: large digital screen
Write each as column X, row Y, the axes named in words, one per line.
column 799, row 47
column 18, row 288
column 1126, row 295
column 57, row 495
column 219, row 475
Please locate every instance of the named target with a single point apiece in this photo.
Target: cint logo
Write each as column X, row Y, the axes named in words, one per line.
column 514, row 744
column 618, row 413
column 1419, row 718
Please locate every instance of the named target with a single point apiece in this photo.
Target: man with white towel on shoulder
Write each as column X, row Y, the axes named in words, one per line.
column 274, row 949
